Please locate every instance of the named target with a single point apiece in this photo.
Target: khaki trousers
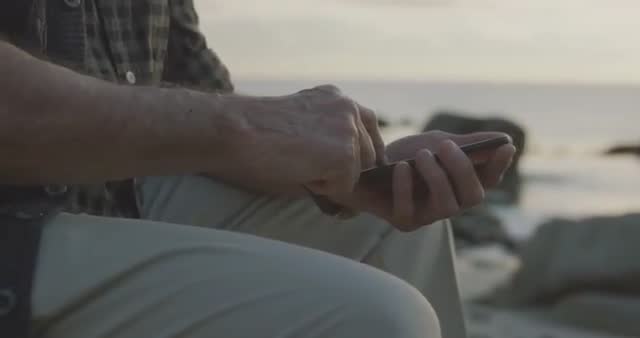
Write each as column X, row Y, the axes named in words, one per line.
column 106, row 277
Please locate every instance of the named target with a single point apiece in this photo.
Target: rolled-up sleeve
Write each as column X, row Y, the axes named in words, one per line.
column 189, row 60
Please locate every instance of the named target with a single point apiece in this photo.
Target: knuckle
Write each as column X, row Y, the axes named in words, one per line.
column 343, row 127
column 349, row 130
column 424, row 165
column 443, row 148
column 368, row 115
column 329, row 88
column 344, row 109
column 350, row 108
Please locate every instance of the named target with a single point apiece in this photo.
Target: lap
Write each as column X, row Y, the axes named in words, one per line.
column 424, row 258
column 202, row 201
column 103, row 277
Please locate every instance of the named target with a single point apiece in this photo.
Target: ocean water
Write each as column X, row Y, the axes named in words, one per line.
column 568, row 127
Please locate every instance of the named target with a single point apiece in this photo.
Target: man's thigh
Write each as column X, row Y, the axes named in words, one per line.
column 102, row 277
column 202, row 201
column 424, row 258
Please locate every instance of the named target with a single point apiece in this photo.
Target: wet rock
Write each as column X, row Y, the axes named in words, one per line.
column 585, row 272
column 566, row 257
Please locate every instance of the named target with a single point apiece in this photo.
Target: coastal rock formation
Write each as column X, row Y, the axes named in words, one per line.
column 460, row 124
column 624, row 150
column 577, row 270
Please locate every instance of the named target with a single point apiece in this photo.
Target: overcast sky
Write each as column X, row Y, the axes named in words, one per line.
column 589, row 41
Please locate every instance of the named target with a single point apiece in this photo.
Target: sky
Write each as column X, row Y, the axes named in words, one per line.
column 533, row 41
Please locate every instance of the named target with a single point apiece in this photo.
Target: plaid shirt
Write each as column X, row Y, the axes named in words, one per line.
column 141, row 42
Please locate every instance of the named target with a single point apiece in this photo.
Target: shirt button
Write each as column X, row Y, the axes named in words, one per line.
column 131, row 77
column 56, row 189
column 8, row 301
column 73, row 3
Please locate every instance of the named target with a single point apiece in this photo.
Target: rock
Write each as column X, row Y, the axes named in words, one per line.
column 624, row 150
column 600, row 311
column 566, row 257
column 488, row 322
column 383, row 123
column 479, row 227
column 461, row 124
column 584, row 273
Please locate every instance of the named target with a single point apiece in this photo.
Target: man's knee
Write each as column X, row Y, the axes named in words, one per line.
column 385, row 306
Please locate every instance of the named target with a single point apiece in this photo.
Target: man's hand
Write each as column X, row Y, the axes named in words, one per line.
column 317, row 138
column 456, row 183
column 322, row 140
column 338, row 121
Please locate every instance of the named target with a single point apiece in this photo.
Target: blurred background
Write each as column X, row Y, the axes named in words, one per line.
column 563, row 76
column 566, row 71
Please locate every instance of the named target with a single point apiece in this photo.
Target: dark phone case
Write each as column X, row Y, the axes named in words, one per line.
column 381, row 177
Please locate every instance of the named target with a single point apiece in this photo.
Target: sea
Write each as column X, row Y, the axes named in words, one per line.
column 565, row 173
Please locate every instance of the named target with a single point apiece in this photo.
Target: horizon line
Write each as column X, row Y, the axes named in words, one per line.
column 630, row 84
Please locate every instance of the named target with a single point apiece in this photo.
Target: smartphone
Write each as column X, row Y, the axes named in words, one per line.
column 382, row 176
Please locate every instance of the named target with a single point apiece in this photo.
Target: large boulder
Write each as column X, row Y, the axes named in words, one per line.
column 462, row 124
column 572, row 256
column 578, row 270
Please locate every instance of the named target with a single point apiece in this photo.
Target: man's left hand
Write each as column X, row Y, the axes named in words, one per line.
column 455, row 183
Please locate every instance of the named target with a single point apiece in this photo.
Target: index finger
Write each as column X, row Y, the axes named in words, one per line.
column 370, row 121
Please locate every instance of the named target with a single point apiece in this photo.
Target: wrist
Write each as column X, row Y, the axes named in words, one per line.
column 186, row 131
column 228, row 138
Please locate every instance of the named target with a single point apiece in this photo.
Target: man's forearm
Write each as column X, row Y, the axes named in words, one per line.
column 62, row 127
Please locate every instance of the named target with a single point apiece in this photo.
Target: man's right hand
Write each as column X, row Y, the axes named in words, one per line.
column 317, row 137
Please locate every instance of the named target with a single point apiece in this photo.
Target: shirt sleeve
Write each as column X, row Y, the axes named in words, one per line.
column 189, row 61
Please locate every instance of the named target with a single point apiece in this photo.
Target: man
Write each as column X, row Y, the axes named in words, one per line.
column 99, row 110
